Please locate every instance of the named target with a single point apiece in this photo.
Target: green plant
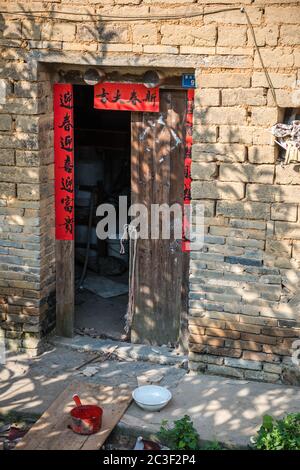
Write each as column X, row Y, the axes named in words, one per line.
column 214, row 445
column 282, row 434
column 182, row 435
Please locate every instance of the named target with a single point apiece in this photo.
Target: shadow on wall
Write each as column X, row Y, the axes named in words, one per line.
column 244, row 283
column 53, row 34
column 25, row 40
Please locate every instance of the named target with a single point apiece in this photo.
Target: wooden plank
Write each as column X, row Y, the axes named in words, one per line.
column 157, row 178
column 65, row 291
column 51, row 431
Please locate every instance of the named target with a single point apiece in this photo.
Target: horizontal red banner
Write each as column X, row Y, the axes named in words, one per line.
column 126, row 97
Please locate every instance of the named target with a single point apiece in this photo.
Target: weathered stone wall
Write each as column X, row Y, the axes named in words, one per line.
column 244, row 313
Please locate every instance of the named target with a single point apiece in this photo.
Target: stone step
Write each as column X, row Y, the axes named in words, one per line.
column 125, row 351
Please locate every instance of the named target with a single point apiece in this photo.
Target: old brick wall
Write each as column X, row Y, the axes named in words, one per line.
column 244, row 312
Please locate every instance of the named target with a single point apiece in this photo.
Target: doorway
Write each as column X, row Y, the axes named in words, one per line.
column 141, row 155
column 101, row 174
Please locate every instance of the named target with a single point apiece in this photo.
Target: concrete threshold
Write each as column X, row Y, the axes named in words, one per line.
column 125, row 351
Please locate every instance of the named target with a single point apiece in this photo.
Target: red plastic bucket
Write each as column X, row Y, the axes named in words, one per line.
column 86, row 419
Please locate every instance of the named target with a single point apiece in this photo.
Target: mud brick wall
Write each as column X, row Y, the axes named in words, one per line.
column 244, row 284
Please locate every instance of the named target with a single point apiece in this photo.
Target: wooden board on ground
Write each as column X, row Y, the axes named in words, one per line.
column 51, row 431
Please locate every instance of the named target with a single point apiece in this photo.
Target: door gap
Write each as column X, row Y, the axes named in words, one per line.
column 102, row 174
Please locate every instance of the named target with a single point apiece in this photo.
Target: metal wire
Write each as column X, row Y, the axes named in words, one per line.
column 107, row 18
column 117, row 17
column 260, row 57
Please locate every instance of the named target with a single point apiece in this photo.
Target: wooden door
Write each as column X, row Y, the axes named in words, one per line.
column 157, row 178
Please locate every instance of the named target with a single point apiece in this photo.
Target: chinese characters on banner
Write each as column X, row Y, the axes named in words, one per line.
column 126, row 97
column 64, row 161
column 187, row 164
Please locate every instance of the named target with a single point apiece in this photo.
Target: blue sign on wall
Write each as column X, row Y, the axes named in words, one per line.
column 188, row 80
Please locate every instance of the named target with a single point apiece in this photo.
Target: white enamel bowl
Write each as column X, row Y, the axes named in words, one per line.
column 151, row 397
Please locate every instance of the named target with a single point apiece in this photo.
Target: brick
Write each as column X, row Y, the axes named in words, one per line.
column 7, row 157
column 243, row 364
column 28, row 124
column 206, row 321
column 145, row 34
column 265, row 36
column 247, row 224
column 7, row 190
column 279, row 57
column 73, row 46
column 207, row 97
column 217, row 151
column 264, row 116
column 259, row 356
column 248, row 345
column 196, row 330
column 289, row 35
column 4, row 91
column 28, row 191
column 296, row 250
column 262, row 153
column 229, row 352
column 273, row 193
column 161, row 49
column 221, row 333
column 224, row 80
column 203, row 171
column 242, row 260
column 246, row 172
column 234, row 17
column 59, row 31
column 263, row 137
column 275, row 14
column 232, row 36
column 205, row 358
column 5, row 122
column 117, row 47
column 236, row 134
column 238, row 326
column 248, row 210
column 287, row 174
column 273, row 368
column 224, row 370
column 204, row 339
column 188, row 35
column 278, row 350
column 198, row 50
column 284, row 211
column 12, row 29
column 287, row 229
column 286, row 98
column 244, row 96
column 221, row 115
column 278, row 246
column 204, row 133
column 258, row 338
column 217, row 190
column 27, row 158
column 279, row 80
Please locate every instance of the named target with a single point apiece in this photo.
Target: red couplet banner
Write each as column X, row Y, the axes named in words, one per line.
column 126, row 97
column 64, row 161
column 187, row 164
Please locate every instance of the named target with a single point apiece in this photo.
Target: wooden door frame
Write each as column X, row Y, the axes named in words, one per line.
column 65, row 277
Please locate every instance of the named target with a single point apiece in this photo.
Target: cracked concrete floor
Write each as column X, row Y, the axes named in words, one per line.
column 221, row 408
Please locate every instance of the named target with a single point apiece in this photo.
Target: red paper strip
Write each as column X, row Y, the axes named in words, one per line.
column 126, row 97
column 187, row 166
column 64, row 161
